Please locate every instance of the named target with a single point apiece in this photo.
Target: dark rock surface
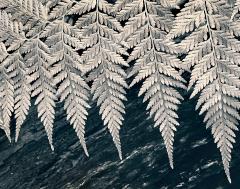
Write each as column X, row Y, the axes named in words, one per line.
column 30, row 164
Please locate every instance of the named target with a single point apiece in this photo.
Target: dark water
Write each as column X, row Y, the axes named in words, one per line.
column 30, row 164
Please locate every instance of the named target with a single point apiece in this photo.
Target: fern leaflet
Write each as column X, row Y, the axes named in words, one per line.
column 103, row 62
column 13, row 69
column 38, row 62
column 6, row 92
column 213, row 54
column 73, row 90
column 147, row 26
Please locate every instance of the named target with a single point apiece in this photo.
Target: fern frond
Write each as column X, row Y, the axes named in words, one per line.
column 21, row 8
column 16, row 70
column 145, row 31
column 38, row 62
column 11, row 32
column 73, row 90
column 213, row 54
column 14, row 38
column 32, row 13
column 22, row 90
column 58, row 8
column 102, row 60
column 6, row 91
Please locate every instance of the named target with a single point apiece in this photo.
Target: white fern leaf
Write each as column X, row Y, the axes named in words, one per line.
column 32, row 13
column 102, row 60
column 73, row 90
column 32, row 8
column 155, row 66
column 58, row 8
column 22, row 90
column 38, row 62
column 16, row 68
column 6, row 91
column 213, row 54
column 11, row 32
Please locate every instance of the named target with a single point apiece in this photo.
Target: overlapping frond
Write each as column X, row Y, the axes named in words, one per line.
column 58, row 8
column 38, row 60
column 145, row 31
column 34, row 73
column 32, row 13
column 17, row 94
column 6, row 91
column 16, row 70
column 103, row 61
column 73, row 90
column 11, row 32
column 213, row 54
column 22, row 90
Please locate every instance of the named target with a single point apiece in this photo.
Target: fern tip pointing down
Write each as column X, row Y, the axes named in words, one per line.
column 147, row 26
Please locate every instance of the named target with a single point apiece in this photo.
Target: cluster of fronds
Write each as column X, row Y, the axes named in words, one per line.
column 52, row 50
column 75, row 51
